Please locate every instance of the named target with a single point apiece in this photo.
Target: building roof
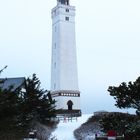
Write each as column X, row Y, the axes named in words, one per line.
column 16, row 83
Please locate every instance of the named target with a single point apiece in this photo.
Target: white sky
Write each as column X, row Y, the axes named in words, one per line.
column 108, row 44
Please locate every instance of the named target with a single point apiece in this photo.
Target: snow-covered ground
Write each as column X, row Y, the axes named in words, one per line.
column 65, row 128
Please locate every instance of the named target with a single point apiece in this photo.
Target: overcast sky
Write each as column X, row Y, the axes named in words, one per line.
column 108, row 44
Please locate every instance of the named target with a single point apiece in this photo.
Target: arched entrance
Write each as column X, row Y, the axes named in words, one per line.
column 70, row 104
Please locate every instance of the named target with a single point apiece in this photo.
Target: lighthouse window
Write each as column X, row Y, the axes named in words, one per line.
column 55, row 28
column 55, row 65
column 67, row 10
column 54, row 86
column 67, row 18
column 55, row 46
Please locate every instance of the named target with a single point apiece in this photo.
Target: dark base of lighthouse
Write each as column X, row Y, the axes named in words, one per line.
column 69, row 113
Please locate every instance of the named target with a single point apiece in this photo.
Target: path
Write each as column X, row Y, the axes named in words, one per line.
column 65, row 128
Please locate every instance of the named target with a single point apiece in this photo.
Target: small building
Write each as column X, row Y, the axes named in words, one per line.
column 13, row 83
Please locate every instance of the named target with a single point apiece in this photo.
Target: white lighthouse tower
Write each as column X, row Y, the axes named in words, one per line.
column 64, row 77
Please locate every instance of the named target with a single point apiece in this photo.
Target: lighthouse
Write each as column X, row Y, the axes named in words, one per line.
column 64, row 75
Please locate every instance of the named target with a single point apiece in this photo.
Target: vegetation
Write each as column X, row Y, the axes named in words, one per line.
column 35, row 103
column 127, row 95
column 124, row 124
column 119, row 122
column 21, row 107
column 88, row 129
column 102, row 123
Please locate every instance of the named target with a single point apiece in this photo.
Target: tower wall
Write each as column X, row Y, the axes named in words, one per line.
column 64, row 77
column 64, row 65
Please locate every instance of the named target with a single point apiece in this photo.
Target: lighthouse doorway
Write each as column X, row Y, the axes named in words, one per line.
column 70, row 104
